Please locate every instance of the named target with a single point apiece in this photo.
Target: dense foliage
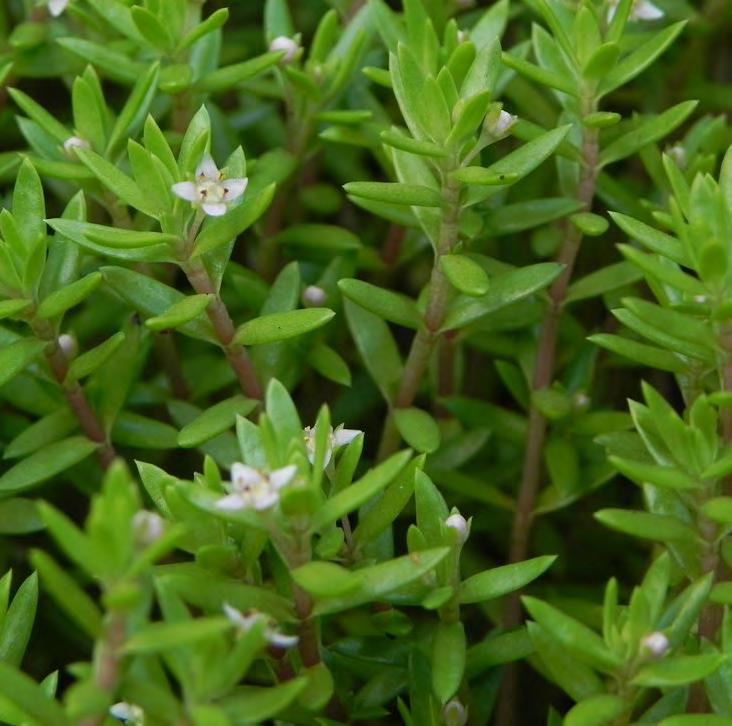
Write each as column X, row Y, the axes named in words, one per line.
column 365, row 361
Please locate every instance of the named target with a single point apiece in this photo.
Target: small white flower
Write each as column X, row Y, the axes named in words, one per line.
column 503, row 124
column 640, row 10
column 127, row 713
column 251, row 488
column 314, row 296
column 655, row 644
column 210, row 190
column 336, row 439
column 272, row 633
column 454, row 713
column 68, row 345
column 461, row 525
column 75, row 142
column 289, row 45
column 148, row 527
column 56, row 7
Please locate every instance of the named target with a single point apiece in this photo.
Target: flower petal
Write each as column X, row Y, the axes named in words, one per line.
column 243, row 475
column 215, row 210
column 281, row 640
column 234, row 188
column 281, row 477
column 238, row 618
column 56, row 7
column 207, row 168
column 266, row 500
column 343, row 437
column 231, row 503
column 185, row 190
column 646, row 10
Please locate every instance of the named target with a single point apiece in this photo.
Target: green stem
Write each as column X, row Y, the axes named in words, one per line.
column 427, row 337
column 544, row 364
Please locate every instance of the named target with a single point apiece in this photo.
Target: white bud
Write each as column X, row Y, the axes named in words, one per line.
column 498, row 123
column 655, row 644
column 457, row 522
column 581, row 400
column 462, row 36
column 678, row 154
column 68, row 346
column 314, row 296
column 75, row 142
column 147, row 527
column 454, row 713
column 289, row 45
column 700, row 298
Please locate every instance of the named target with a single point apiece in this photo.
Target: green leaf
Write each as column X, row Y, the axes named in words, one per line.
column 542, row 76
column 281, row 326
column 325, row 579
column 16, row 626
column 656, row 527
column 479, row 176
column 646, row 132
column 512, row 218
column 30, row 698
column 601, row 710
column 14, row 357
column 719, row 509
column 38, row 114
column 215, row 420
column 99, row 235
column 604, row 280
column 228, row 77
column 573, row 635
column 329, row 364
column 395, row 193
column 653, row 239
column 114, row 63
column 19, row 516
column 352, row 497
column 388, row 305
column 637, row 61
column 225, row 229
column 325, row 238
column 400, row 140
column 465, row 275
column 250, row 704
column 377, row 581
column 61, row 300
column 590, row 224
column 506, row 288
column 418, row 429
column 448, row 660
column 11, row 308
column 677, row 670
column 45, row 464
column 143, row 432
column 499, row 581
column 181, row 312
column 646, row 355
column 161, row 636
column 213, row 22
column 377, row 348
column 88, row 362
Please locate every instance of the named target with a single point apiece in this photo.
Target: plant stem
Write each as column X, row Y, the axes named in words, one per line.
column 107, row 662
column 543, row 374
column 710, row 618
column 427, row 337
column 223, row 326
column 74, row 393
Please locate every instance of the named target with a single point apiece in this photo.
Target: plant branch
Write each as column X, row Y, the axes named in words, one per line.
column 544, row 364
column 427, row 337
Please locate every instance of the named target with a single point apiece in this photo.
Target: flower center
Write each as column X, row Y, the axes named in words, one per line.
column 210, row 191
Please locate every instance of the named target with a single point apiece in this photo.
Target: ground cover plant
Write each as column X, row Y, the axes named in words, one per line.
column 365, row 361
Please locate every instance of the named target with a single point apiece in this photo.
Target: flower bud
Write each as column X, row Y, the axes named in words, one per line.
column 678, row 154
column 454, row 713
column 498, row 123
column 314, row 296
column 75, row 142
column 289, row 45
column 147, row 527
column 457, row 522
column 68, row 345
column 655, row 644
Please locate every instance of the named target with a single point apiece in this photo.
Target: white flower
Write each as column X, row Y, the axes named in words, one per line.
column 454, row 713
column 289, row 45
column 148, row 527
column 640, row 10
column 244, row 621
column 655, row 644
column 313, row 295
column 461, row 525
column 251, row 488
column 128, row 713
column 501, row 125
column 210, row 190
column 56, row 7
column 336, row 439
column 75, row 142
